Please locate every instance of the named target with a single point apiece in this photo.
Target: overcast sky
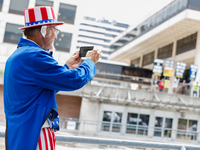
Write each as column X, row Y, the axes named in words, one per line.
column 125, row 11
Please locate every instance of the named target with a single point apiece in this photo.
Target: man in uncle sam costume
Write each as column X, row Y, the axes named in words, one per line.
column 33, row 77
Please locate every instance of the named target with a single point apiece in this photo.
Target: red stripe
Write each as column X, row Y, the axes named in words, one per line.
column 54, row 139
column 45, row 138
column 40, row 143
column 53, row 13
column 51, row 140
column 44, row 13
column 31, row 15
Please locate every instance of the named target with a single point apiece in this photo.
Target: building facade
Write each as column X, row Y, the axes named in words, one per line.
column 112, row 111
column 99, row 32
column 170, row 34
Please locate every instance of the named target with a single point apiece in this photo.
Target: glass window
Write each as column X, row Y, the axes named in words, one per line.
column 67, row 13
column 1, row 4
column 186, row 44
column 192, row 128
column 193, row 4
column 43, row 3
column 165, row 52
column 12, row 33
column 18, row 6
column 117, row 118
column 132, row 121
column 148, row 58
column 63, row 43
column 168, row 127
column 143, row 124
column 187, row 129
column 135, row 62
column 158, row 126
column 106, row 120
column 137, row 124
column 152, row 22
column 107, row 70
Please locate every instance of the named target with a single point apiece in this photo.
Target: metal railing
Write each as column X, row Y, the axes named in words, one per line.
column 95, row 127
column 127, row 143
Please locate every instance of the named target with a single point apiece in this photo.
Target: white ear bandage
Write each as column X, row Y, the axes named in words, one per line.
column 43, row 31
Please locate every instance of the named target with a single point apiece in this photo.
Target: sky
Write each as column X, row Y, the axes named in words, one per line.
column 124, row 11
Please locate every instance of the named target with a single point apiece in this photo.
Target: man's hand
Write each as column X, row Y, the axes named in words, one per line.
column 94, row 55
column 74, row 61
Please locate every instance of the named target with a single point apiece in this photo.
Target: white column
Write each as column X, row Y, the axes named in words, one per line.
column 170, row 89
column 197, row 61
column 197, row 56
column 141, row 59
column 156, row 53
column 151, row 124
column 174, row 126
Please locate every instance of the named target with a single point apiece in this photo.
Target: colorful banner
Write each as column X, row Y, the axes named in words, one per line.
column 180, row 69
column 166, row 84
column 158, row 67
column 168, row 68
column 193, row 72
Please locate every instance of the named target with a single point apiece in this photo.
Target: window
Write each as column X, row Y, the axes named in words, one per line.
column 187, row 129
column 186, row 44
column 165, row 52
column 148, row 58
column 137, row 124
column 1, row 4
column 135, row 62
column 12, row 33
column 18, row 6
column 168, row 127
column 67, row 13
column 115, row 118
column 158, row 126
column 193, row 4
column 43, row 3
column 106, row 120
column 161, row 125
column 63, row 43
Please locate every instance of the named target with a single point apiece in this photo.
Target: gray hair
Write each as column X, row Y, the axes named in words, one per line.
column 34, row 31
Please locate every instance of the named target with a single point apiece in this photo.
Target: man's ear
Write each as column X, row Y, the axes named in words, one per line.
column 43, row 31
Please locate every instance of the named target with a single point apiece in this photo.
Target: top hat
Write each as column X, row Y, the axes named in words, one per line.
column 39, row 16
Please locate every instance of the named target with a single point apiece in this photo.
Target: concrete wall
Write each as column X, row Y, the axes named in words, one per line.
column 90, row 113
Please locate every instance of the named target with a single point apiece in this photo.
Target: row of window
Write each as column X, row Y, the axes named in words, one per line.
column 107, row 70
column 139, row 124
column 66, row 12
column 13, row 34
column 183, row 45
column 100, row 27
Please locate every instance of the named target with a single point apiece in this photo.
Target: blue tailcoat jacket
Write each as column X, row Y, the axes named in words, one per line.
column 31, row 79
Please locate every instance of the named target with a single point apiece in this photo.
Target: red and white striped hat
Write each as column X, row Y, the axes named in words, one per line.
column 39, row 16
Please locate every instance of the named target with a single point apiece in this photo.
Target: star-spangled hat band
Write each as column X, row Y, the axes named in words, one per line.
column 39, row 16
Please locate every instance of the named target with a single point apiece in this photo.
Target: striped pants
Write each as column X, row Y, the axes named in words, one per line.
column 46, row 140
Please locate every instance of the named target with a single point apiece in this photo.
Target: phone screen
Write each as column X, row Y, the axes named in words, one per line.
column 84, row 50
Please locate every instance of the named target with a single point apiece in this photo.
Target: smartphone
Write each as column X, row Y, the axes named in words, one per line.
column 84, row 50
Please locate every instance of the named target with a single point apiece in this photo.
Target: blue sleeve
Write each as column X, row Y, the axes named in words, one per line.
column 50, row 75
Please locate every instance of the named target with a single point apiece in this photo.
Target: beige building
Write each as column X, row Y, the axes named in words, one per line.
column 170, row 34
